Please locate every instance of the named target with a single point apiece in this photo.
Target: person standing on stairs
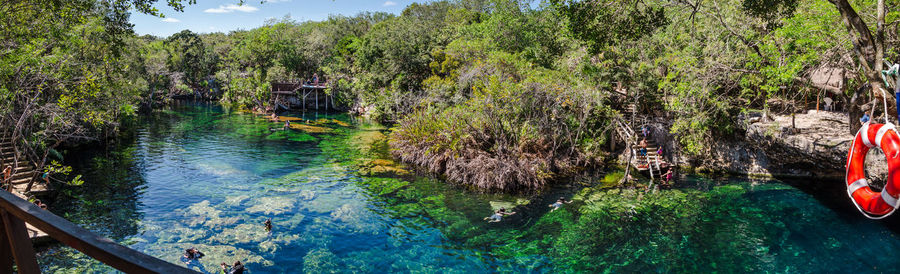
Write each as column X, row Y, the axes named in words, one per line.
column 643, row 145
column 7, row 174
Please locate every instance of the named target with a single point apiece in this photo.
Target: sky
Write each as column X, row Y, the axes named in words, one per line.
column 224, row 16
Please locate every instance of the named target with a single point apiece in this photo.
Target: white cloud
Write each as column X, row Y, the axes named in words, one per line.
column 171, row 20
column 232, row 8
column 389, row 3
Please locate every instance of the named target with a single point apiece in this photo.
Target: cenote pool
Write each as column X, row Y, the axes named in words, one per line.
column 198, row 175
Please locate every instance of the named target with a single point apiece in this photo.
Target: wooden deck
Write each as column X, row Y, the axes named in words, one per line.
column 301, row 96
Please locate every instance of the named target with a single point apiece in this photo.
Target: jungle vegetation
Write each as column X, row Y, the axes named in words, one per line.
column 500, row 95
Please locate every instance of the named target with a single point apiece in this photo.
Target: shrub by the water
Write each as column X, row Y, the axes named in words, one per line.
column 521, row 127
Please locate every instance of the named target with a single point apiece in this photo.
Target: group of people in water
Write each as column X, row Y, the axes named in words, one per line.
column 192, row 257
column 498, row 214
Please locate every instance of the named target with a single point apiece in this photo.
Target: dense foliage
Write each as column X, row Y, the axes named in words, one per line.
column 498, row 94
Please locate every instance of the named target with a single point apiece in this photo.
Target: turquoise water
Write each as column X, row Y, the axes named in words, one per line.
column 198, row 175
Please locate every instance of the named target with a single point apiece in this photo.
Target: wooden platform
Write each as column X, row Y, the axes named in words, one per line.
column 296, row 95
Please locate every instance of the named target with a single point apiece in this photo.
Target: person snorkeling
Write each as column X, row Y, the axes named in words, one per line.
column 498, row 215
column 191, row 259
column 268, row 224
column 559, row 203
column 236, row 268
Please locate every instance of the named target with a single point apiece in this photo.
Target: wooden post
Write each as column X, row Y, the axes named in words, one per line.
column 818, row 96
column 612, row 141
column 317, row 98
column 6, row 255
column 23, row 252
column 628, row 165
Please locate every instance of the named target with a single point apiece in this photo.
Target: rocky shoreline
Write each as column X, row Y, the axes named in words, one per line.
column 812, row 145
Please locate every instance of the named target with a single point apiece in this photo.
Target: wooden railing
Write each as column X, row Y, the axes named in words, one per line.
column 15, row 244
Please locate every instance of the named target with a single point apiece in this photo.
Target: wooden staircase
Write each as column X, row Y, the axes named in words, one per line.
column 23, row 172
column 629, row 131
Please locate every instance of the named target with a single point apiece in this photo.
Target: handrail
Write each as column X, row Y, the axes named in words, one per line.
column 103, row 249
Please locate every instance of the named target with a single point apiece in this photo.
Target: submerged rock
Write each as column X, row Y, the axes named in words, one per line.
column 272, row 205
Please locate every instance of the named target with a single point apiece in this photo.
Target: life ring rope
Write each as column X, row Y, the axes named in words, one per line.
column 865, row 138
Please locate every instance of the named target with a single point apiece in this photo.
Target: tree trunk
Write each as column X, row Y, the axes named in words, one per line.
column 869, row 50
column 854, row 112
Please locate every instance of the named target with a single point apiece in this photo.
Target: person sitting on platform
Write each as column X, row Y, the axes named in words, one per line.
column 287, row 124
column 315, row 79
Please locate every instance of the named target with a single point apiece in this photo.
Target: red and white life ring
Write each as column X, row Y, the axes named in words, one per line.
column 874, row 205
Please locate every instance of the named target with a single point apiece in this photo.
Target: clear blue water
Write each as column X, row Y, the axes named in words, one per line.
column 198, row 175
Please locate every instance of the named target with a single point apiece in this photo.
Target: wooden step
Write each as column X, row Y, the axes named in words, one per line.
column 35, row 189
column 22, row 168
column 7, row 157
column 26, row 174
column 9, row 162
column 21, row 181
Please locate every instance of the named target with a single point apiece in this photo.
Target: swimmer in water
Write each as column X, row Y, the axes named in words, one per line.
column 498, row 215
column 268, row 224
column 559, row 203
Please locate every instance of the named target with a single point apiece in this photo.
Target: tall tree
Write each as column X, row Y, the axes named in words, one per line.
column 869, row 50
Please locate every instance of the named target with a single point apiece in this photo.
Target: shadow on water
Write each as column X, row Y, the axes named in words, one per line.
column 832, row 193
